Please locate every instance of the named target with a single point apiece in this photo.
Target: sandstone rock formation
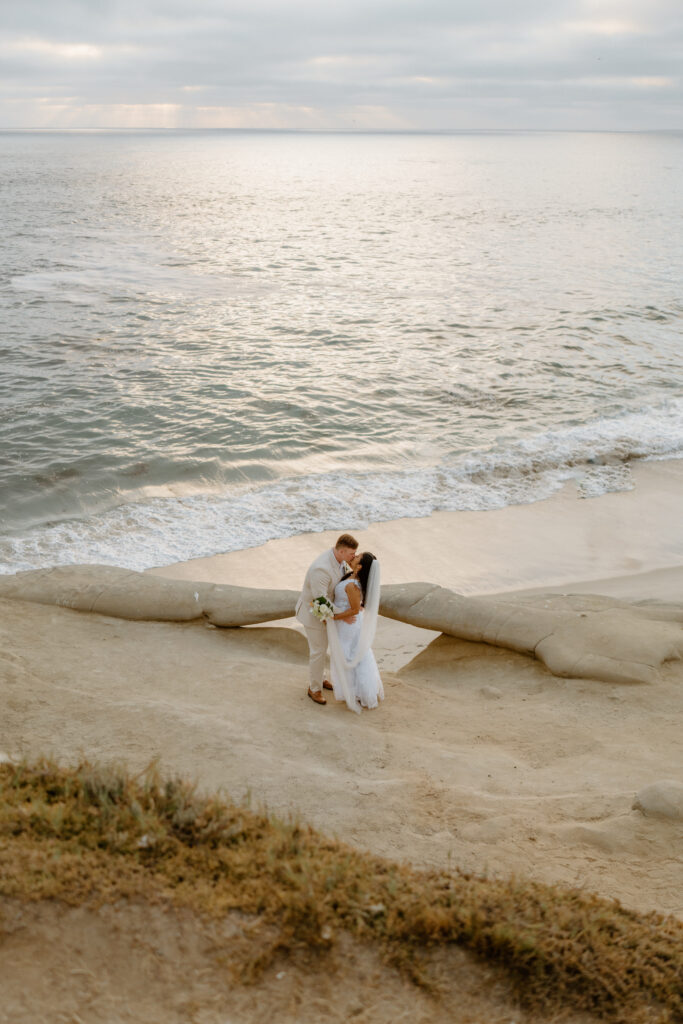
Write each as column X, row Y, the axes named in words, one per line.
column 134, row 595
column 662, row 799
column 581, row 637
column 607, row 640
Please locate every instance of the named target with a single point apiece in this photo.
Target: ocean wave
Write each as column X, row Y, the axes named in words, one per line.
column 160, row 531
column 90, row 285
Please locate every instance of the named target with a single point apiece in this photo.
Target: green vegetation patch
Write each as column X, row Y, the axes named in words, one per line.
column 93, row 832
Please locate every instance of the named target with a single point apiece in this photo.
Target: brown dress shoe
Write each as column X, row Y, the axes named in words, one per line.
column 317, row 698
column 327, row 685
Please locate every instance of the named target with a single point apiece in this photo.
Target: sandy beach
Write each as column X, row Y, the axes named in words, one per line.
column 478, row 758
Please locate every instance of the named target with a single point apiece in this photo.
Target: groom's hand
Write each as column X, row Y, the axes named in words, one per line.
column 345, row 618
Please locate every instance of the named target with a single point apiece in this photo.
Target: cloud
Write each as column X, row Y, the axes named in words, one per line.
column 56, row 51
column 382, row 63
column 602, row 27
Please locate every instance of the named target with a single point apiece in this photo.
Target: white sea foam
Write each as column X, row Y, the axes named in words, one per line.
column 165, row 530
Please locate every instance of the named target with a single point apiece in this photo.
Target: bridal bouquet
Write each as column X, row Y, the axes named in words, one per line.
column 322, row 608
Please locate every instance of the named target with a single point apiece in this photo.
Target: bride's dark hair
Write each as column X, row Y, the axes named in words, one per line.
column 366, row 560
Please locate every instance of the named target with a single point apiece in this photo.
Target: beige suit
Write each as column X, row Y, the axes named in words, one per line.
column 322, row 577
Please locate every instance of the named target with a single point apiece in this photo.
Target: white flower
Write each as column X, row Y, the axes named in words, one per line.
column 322, row 609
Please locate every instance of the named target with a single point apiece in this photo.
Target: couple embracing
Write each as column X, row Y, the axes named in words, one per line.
column 349, row 583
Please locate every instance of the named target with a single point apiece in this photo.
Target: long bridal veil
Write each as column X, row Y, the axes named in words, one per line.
column 343, row 669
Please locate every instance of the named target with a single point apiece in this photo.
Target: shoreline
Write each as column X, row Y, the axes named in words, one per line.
column 546, row 545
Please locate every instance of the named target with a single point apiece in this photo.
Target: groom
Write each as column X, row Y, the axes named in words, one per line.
column 321, row 579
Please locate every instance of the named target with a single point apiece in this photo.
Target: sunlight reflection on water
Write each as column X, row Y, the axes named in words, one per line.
column 190, row 314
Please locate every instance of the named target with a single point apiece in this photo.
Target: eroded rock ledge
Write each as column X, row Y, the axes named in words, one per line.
column 589, row 637
column 135, row 595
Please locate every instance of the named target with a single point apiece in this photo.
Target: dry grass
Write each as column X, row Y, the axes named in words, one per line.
column 89, row 832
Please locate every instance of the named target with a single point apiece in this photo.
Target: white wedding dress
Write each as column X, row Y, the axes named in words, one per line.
column 355, row 683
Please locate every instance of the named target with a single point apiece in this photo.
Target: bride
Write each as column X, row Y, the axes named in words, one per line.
column 355, row 677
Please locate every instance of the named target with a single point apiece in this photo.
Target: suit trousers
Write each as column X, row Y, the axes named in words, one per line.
column 317, row 649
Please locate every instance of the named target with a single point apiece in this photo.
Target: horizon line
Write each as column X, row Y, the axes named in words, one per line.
column 333, row 131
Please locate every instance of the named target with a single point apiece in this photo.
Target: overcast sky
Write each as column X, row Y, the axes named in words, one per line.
column 367, row 64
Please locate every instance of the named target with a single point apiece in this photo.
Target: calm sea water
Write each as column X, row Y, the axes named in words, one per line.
column 211, row 340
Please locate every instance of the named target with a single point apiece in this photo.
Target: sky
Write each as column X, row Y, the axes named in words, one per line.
column 343, row 65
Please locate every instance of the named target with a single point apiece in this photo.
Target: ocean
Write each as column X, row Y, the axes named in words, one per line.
column 210, row 340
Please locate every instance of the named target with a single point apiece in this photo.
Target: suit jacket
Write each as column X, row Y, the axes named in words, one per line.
column 322, row 577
